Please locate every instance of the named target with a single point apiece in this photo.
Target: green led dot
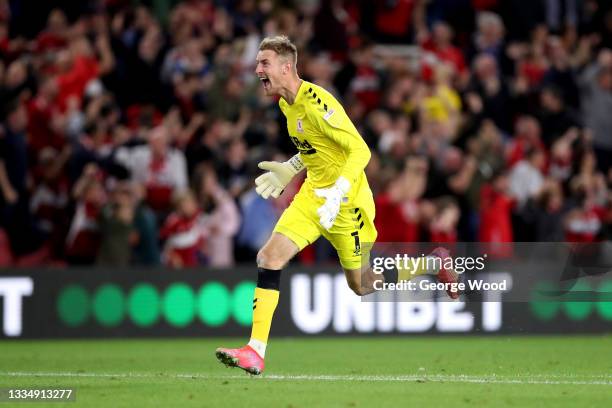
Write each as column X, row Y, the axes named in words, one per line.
column 575, row 309
column 543, row 305
column 144, row 305
column 604, row 307
column 242, row 304
column 109, row 305
column 73, row 305
column 213, row 304
column 178, row 304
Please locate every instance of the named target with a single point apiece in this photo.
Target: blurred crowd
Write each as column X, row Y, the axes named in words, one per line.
column 131, row 131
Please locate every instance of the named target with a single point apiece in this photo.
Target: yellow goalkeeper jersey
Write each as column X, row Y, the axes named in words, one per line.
column 329, row 144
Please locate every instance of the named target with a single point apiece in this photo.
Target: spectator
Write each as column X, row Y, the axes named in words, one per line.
column 184, row 233
column 489, row 37
column 234, row 168
column 493, row 92
column 161, row 168
column 441, row 103
column 399, row 214
column 146, row 251
column 331, row 18
column 116, row 227
column 527, row 178
column 222, row 218
column 17, row 84
column 43, row 111
column 555, row 117
column 548, row 212
column 596, row 93
column 561, row 73
column 439, row 42
column 394, row 21
column 485, row 158
column 495, row 212
column 55, row 35
column 259, row 217
column 443, row 224
column 17, row 219
column 533, row 65
column 83, row 238
column 561, row 14
column 561, row 160
column 527, row 137
column 360, row 78
column 582, row 223
column 78, row 65
column 50, row 197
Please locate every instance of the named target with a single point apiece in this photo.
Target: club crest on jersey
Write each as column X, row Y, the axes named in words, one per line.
column 300, row 126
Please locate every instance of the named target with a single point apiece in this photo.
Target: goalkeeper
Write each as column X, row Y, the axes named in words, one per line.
column 335, row 200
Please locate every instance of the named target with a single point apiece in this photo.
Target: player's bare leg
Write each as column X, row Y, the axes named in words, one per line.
column 271, row 259
column 277, row 252
column 361, row 281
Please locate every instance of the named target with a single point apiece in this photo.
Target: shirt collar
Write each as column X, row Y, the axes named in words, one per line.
column 302, row 90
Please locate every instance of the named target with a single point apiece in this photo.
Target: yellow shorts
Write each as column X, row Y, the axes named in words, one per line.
column 353, row 232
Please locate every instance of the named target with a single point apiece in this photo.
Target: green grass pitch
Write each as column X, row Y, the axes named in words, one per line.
column 319, row 372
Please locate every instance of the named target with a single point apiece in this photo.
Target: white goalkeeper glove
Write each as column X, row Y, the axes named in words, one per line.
column 333, row 198
column 278, row 176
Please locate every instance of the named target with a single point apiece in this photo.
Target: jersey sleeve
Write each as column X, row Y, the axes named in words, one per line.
column 335, row 124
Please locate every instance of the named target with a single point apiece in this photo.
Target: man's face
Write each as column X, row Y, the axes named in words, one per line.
column 442, row 34
column 605, row 79
column 158, row 141
column 18, row 119
column 272, row 71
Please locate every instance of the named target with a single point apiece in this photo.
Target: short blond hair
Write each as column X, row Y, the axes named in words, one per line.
column 282, row 46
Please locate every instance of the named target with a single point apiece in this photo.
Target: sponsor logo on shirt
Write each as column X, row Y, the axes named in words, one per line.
column 303, row 146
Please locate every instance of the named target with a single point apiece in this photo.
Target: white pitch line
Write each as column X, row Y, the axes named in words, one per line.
column 553, row 379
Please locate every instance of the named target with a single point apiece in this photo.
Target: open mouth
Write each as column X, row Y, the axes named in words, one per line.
column 265, row 82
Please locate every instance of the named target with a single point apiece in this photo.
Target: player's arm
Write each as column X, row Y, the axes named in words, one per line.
column 278, row 176
column 338, row 127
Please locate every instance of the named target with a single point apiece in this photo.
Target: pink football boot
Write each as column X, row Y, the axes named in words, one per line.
column 446, row 275
column 245, row 358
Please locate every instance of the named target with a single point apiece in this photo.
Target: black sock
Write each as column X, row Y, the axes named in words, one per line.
column 390, row 275
column 268, row 279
